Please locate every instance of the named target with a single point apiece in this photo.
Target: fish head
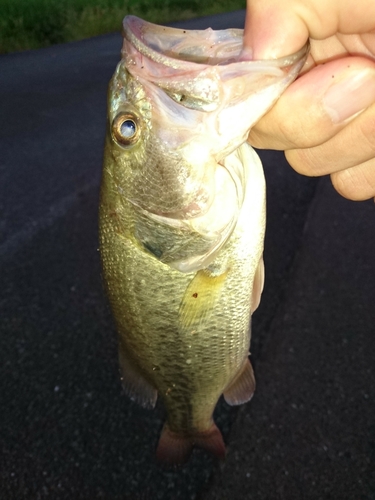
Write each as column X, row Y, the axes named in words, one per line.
column 180, row 103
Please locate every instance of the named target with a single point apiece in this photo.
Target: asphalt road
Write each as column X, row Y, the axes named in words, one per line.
column 67, row 431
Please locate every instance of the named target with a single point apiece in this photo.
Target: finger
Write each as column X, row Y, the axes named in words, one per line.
column 356, row 183
column 275, row 29
column 353, row 145
column 317, row 106
column 341, row 45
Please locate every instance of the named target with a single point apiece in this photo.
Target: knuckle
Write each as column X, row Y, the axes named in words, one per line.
column 278, row 130
column 293, row 133
column 305, row 161
column 356, row 183
column 343, row 185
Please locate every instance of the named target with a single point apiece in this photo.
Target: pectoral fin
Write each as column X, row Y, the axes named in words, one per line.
column 135, row 385
column 242, row 388
column 200, row 298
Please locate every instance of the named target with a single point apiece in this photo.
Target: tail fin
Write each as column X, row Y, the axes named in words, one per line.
column 175, row 449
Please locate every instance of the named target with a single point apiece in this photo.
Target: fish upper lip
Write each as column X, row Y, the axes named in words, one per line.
column 134, row 29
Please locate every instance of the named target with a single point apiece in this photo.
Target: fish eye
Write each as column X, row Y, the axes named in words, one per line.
column 126, row 129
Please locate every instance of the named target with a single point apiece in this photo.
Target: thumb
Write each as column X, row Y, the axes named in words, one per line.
column 272, row 31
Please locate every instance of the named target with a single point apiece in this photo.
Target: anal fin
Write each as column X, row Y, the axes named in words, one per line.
column 242, row 388
column 135, row 385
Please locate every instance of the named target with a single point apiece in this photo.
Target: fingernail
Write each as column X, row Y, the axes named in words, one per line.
column 350, row 96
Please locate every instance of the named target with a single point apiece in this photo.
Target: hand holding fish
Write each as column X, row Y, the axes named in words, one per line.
column 331, row 127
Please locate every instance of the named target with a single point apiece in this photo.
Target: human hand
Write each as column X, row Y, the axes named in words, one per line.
column 325, row 121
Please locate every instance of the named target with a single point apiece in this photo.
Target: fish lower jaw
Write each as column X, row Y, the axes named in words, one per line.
column 197, row 208
column 191, row 211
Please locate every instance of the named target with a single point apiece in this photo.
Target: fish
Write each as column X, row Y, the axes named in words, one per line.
column 182, row 221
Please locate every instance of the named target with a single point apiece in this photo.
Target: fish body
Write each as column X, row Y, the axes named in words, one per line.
column 182, row 220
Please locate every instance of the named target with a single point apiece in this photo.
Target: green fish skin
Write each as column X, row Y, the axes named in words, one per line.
column 182, row 221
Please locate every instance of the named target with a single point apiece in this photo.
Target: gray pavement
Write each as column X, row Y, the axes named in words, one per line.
column 67, row 431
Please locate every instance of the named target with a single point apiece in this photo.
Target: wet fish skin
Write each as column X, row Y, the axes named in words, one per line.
column 182, row 228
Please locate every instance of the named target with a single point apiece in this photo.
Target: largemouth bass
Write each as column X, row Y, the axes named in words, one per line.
column 182, row 219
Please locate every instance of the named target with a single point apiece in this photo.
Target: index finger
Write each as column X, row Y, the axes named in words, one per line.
column 317, row 105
